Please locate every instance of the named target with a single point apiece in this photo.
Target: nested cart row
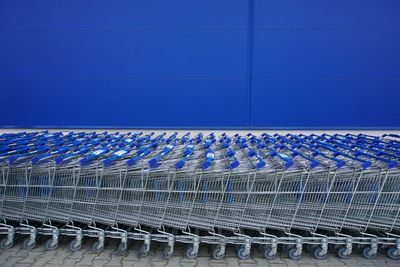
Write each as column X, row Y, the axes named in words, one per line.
column 328, row 190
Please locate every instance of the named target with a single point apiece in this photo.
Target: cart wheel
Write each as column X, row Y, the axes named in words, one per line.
column 143, row 251
column 51, row 245
column 269, row 255
column 366, row 252
column 318, row 254
column 334, row 247
column 122, row 249
column 96, row 247
column 28, row 244
column 168, row 252
column 242, row 254
column 293, row 254
column 392, row 254
column 190, row 253
column 6, row 244
column 216, row 253
column 74, row 246
column 342, row 253
column 310, row 248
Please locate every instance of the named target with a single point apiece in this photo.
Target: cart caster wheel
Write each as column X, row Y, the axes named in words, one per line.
column 293, row 254
column 392, row 254
column 168, row 252
column 6, row 244
column 269, row 255
column 122, row 249
column 241, row 253
column 28, row 244
column 51, row 245
column 96, row 247
column 74, row 246
column 144, row 251
column 342, row 253
column 190, row 254
column 310, row 248
column 366, row 252
column 334, row 247
column 216, row 254
column 318, row 254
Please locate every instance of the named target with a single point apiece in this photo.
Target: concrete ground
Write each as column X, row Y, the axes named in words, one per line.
column 109, row 257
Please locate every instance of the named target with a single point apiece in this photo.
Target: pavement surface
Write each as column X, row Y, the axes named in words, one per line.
column 38, row 257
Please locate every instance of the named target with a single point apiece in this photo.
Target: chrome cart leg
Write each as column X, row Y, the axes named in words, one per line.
column 98, row 245
column 345, row 252
column 218, row 251
column 30, row 242
column 7, row 242
column 123, row 245
column 145, row 248
column 243, row 251
column 169, row 249
column 75, row 244
column 320, row 252
column 394, row 252
column 369, row 252
column 269, row 250
column 52, row 243
column 295, row 253
column 192, row 250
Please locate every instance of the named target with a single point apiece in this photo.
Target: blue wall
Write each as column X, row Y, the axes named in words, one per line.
column 208, row 63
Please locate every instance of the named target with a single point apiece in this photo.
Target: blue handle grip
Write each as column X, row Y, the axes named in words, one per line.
column 116, row 155
column 260, row 164
column 364, row 163
column 391, row 163
column 313, row 163
column 93, row 155
column 230, row 153
column 288, row 162
column 210, row 156
column 180, row 163
column 234, row 164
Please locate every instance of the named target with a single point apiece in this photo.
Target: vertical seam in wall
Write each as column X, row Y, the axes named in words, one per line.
column 249, row 70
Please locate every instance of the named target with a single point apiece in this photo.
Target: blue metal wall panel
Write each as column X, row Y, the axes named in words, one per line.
column 219, row 64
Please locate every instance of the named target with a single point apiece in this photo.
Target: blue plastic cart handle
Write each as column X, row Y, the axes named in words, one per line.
column 210, row 156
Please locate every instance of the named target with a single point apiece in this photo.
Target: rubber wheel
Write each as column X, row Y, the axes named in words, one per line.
column 4, row 244
column 269, row 255
column 341, row 253
column 190, row 254
column 28, row 244
column 216, row 254
column 143, row 251
column 318, row 254
column 122, row 249
column 51, row 245
column 241, row 253
column 74, row 246
column 392, row 254
column 168, row 252
column 366, row 252
column 292, row 254
column 96, row 247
